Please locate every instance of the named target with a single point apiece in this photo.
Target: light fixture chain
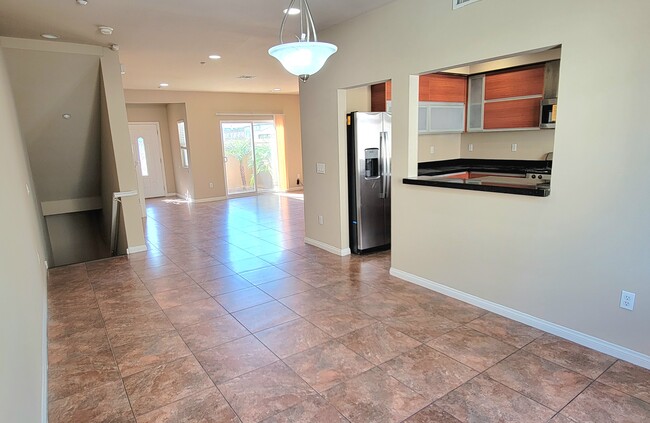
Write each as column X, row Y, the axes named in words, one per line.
column 310, row 21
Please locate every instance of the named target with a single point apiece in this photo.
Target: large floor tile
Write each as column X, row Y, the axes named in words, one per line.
column 541, row 380
column 162, row 385
column 128, row 328
column 285, row 287
column 235, row 358
column 312, row 410
column 176, row 281
column 208, row 406
column 146, row 352
column 601, row 404
column 421, row 325
column 568, row 354
column 340, row 320
column 374, row 397
column 180, row 296
column 506, row 330
column 487, row 401
column 309, row 302
column 472, row 348
column 428, row 372
column 265, row 392
column 431, row 414
column 292, row 337
column 327, row 365
column 105, row 403
column 631, row 379
column 225, row 285
column 242, row 299
column 265, row 316
column 193, row 313
column 378, row 343
column 212, row 333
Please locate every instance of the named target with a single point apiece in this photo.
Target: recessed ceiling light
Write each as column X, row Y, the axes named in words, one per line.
column 105, row 30
column 292, row 11
column 214, row 57
column 50, row 36
column 82, row 2
column 163, row 85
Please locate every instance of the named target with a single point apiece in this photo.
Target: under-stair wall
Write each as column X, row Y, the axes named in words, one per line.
column 73, row 119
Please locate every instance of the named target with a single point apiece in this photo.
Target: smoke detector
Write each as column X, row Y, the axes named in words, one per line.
column 82, row 2
column 114, row 47
column 106, row 30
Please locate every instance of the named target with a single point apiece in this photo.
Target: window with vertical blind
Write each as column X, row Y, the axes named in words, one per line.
column 185, row 162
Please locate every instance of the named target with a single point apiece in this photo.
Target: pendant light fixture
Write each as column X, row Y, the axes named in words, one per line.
column 306, row 56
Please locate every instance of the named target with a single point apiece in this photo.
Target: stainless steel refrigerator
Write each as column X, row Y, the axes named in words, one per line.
column 369, row 147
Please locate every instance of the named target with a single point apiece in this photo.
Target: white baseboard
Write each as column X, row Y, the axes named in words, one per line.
column 327, row 247
column 300, row 188
column 208, row 200
column 136, row 249
column 589, row 341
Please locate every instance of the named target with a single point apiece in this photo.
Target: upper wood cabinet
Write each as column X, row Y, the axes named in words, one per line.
column 379, row 95
column 510, row 83
column 512, row 114
column 443, row 88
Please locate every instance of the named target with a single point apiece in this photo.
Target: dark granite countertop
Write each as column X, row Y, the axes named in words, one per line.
column 504, row 176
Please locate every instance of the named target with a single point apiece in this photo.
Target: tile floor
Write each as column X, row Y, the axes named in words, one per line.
column 230, row 317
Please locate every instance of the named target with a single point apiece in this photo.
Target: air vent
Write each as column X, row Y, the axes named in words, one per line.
column 246, row 77
column 460, row 3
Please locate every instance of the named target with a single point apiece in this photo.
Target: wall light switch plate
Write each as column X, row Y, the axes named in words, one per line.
column 320, row 168
column 432, row 150
column 320, row 220
column 470, row 147
column 627, row 300
column 514, row 147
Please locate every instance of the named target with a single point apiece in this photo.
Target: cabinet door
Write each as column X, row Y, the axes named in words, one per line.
column 475, row 103
column 448, row 88
column 423, row 118
column 512, row 114
column 515, row 83
column 446, row 117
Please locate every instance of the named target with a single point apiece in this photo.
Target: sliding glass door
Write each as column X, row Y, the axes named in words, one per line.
column 250, row 154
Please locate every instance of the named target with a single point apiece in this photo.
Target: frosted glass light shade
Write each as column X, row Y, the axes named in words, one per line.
column 303, row 57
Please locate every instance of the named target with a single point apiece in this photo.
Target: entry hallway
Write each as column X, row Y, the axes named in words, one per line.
column 230, row 317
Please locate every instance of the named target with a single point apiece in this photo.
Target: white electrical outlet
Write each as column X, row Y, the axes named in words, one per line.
column 320, row 220
column 627, row 300
column 514, row 147
column 320, row 168
column 211, row 185
column 470, row 147
column 432, row 150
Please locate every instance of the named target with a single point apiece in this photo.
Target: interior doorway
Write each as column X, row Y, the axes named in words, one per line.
column 250, row 153
column 147, row 154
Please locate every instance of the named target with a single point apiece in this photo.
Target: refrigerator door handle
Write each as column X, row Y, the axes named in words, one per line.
column 382, row 165
column 387, row 171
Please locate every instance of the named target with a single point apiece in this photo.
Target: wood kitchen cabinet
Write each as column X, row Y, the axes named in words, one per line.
column 379, row 95
column 510, row 83
column 506, row 99
column 443, row 88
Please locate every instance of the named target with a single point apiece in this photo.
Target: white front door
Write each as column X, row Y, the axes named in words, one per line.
column 145, row 138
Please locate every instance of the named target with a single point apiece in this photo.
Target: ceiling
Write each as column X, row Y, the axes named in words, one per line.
column 165, row 40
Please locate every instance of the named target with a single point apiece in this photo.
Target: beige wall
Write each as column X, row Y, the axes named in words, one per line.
column 204, row 134
column 358, row 99
column 157, row 113
column 563, row 259
column 22, row 275
column 113, row 96
column 182, row 176
column 445, row 147
column 531, row 145
column 64, row 153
